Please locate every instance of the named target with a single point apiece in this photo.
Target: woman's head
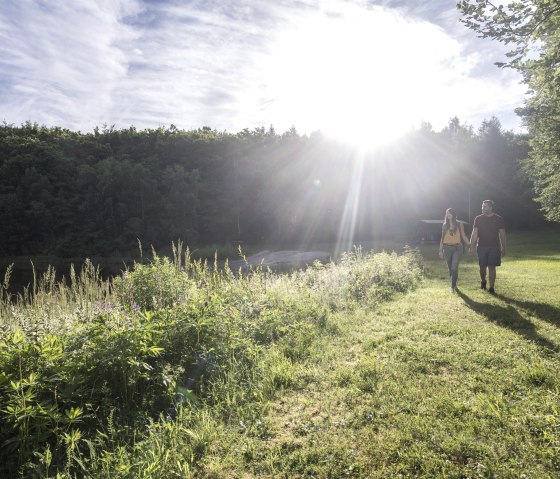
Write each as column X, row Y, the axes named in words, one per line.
column 450, row 213
column 450, row 219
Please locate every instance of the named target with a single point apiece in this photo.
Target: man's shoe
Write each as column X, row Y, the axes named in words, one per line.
column 452, row 290
column 491, row 291
column 483, row 285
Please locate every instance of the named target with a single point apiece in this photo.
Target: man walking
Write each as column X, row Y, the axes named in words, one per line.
column 489, row 236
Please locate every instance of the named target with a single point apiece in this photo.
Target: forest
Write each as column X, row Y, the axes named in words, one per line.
column 74, row 194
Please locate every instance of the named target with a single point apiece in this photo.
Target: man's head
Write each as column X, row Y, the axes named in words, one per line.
column 487, row 207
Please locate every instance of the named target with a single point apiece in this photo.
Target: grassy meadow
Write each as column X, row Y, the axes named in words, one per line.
column 429, row 384
column 365, row 368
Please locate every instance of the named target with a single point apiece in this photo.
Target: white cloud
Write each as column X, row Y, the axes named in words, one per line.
column 59, row 61
column 85, row 63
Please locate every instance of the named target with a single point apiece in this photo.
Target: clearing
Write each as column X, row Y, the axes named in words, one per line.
column 431, row 384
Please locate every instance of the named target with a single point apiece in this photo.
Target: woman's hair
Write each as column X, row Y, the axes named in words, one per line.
column 452, row 224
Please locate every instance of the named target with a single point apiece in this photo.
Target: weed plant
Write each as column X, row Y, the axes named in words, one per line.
column 134, row 377
column 360, row 278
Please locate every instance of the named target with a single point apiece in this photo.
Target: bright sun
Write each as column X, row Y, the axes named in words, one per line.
column 362, row 76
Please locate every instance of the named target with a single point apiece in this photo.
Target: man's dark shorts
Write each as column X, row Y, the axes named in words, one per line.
column 489, row 255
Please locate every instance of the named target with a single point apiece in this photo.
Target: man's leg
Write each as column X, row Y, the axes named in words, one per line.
column 482, row 254
column 494, row 260
column 483, row 276
column 492, row 275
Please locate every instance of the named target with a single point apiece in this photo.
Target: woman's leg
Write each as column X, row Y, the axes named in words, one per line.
column 454, row 268
column 448, row 252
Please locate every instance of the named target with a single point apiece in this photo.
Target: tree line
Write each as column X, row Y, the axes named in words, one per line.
column 75, row 194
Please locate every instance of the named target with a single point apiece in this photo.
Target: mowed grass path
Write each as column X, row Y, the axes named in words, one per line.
column 428, row 385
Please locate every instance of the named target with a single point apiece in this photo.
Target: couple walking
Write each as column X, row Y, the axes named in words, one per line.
column 489, row 237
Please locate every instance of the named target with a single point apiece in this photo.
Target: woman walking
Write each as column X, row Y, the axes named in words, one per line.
column 451, row 244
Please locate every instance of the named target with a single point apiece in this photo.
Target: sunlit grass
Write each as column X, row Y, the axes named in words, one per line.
column 428, row 385
column 322, row 373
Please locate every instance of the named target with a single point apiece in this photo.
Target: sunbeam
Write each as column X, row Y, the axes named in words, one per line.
column 347, row 226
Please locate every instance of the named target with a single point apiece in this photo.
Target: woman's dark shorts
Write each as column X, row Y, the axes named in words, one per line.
column 489, row 255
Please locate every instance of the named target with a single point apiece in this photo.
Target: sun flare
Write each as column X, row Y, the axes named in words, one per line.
column 360, row 75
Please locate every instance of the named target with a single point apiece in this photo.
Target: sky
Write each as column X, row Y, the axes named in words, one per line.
column 346, row 67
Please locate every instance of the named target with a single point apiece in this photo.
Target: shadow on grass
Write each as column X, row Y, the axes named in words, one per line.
column 543, row 311
column 508, row 317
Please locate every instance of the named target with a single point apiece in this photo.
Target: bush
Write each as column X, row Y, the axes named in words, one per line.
column 159, row 284
column 360, row 279
column 169, row 340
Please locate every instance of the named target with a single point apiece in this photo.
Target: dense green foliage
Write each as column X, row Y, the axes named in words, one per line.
column 77, row 194
column 531, row 27
column 96, row 377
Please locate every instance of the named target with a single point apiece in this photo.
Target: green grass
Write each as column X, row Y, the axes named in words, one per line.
column 427, row 385
column 342, row 370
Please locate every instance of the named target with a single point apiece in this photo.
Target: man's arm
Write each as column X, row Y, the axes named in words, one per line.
column 502, row 235
column 474, row 237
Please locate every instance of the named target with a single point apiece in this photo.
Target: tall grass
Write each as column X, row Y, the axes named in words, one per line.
column 48, row 304
column 133, row 377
